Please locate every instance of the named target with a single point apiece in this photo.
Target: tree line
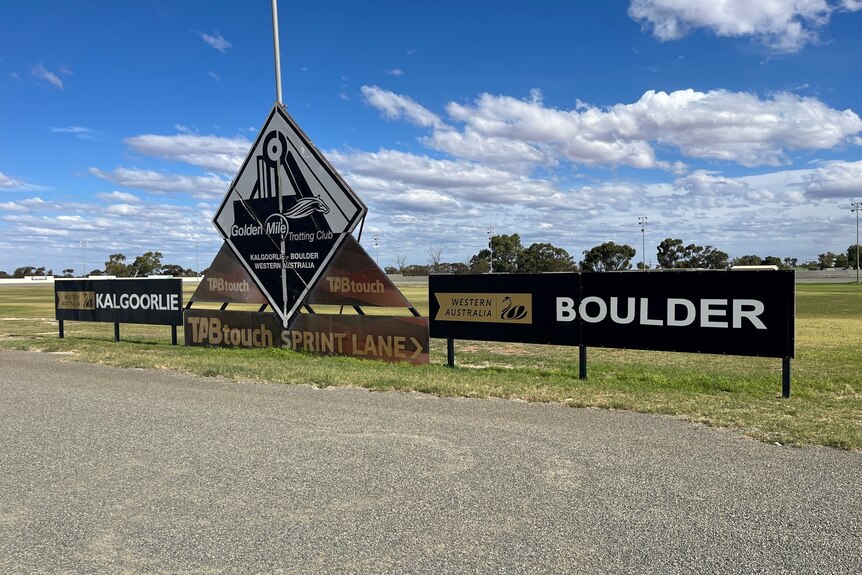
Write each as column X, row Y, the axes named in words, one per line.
column 146, row 264
column 506, row 254
column 509, row 256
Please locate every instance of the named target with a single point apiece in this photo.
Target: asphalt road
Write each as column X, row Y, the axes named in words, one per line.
column 106, row 470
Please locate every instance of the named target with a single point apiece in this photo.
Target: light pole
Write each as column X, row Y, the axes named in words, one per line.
column 197, row 244
column 84, row 245
column 642, row 221
column 377, row 249
column 491, row 246
column 855, row 207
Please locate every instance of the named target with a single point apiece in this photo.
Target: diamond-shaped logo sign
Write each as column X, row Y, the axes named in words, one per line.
column 286, row 213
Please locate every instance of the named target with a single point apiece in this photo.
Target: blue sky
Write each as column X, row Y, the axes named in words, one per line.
column 733, row 123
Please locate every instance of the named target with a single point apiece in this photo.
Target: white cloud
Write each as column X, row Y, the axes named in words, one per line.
column 419, row 200
column 835, row 180
column 123, row 209
column 12, row 207
column 395, row 72
column 8, row 183
column 216, row 41
column 419, row 170
column 208, row 185
column 44, row 231
column 719, row 124
column 72, row 130
column 394, row 106
column 223, row 155
column 41, row 72
column 782, row 25
column 81, row 132
column 117, row 196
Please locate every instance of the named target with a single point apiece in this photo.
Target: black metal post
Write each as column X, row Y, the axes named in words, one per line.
column 450, row 352
column 785, row 377
column 116, row 331
column 582, row 362
column 173, row 335
column 61, row 329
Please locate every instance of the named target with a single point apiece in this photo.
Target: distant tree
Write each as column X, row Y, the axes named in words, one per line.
column 116, row 266
column 4, row 275
column 714, row 259
column 539, row 258
column 791, row 262
column 506, row 249
column 751, row 260
column 672, row 253
column 400, row 261
column 811, row 266
column 176, row 270
column 96, row 273
column 434, row 255
column 703, row 257
column 23, row 271
column 457, row 268
column 390, row 270
column 841, row 261
column 149, row 263
column 669, row 253
column 608, row 257
column 67, row 273
column 481, row 262
column 31, row 271
column 851, row 256
column 773, row 261
column 826, row 261
column 415, row 270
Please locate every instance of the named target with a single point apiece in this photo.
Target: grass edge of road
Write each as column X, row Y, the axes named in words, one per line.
column 739, row 393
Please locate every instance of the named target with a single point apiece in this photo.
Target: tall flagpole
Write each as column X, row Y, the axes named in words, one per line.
column 283, row 244
column 277, row 54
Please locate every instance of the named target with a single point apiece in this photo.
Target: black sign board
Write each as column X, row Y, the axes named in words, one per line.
column 723, row 312
column 148, row 301
column 286, row 213
column 502, row 307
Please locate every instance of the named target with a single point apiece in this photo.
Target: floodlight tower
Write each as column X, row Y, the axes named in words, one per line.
column 377, row 248
column 855, row 207
column 84, row 244
column 490, row 231
column 197, row 244
column 642, row 221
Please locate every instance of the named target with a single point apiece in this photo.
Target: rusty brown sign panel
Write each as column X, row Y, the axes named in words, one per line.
column 388, row 338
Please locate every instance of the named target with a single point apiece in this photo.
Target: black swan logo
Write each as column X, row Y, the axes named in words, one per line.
column 513, row 313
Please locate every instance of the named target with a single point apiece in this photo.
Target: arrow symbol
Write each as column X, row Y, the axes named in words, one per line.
column 418, row 345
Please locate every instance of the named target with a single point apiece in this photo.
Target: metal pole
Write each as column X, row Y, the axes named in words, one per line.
column 277, row 52
column 491, row 246
column 642, row 220
column 785, row 377
column 450, row 352
column 856, row 207
column 84, row 258
column 582, row 362
column 377, row 249
column 197, row 264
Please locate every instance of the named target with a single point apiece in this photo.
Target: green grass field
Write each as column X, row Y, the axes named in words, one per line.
column 734, row 392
